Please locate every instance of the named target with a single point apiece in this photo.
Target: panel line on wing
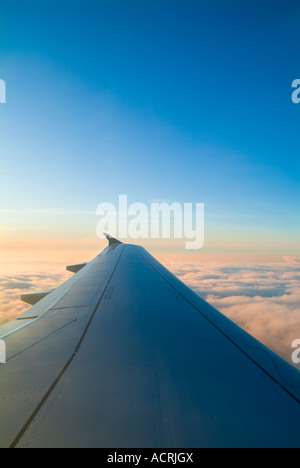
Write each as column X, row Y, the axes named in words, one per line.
column 222, row 332
column 42, row 339
column 52, row 387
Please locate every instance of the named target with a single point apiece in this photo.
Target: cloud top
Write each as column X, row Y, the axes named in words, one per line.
column 36, row 278
column 262, row 299
column 292, row 260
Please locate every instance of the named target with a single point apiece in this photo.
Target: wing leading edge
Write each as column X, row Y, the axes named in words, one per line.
column 125, row 355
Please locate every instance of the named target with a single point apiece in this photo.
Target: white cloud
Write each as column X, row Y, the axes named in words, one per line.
column 291, row 259
column 13, row 285
column 262, row 299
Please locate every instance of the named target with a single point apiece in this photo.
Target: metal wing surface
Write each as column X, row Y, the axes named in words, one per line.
column 125, row 355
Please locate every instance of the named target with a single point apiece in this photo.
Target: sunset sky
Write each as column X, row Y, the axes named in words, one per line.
column 177, row 101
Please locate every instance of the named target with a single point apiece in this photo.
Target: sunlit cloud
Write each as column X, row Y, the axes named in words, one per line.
column 37, row 278
column 291, row 259
column 262, row 299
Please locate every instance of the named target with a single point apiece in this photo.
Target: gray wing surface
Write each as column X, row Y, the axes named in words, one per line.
column 125, row 355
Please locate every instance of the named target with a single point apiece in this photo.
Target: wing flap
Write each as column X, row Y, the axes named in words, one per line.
column 39, row 351
column 34, row 298
column 76, row 268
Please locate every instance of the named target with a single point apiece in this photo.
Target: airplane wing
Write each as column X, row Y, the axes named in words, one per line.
column 125, row 355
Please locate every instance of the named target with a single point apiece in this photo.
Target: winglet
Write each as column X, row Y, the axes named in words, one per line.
column 112, row 240
column 34, row 298
column 76, row 268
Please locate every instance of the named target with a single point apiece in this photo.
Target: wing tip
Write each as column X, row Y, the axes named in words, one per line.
column 112, row 240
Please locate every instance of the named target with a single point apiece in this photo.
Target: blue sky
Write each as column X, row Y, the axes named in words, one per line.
column 185, row 101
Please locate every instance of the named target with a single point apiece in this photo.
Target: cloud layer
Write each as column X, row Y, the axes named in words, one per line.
column 262, row 299
column 33, row 278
